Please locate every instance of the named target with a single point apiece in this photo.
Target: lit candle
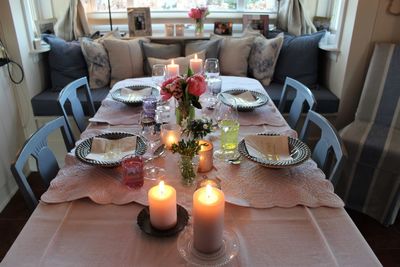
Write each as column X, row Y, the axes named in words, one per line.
column 162, row 205
column 208, row 219
column 179, row 29
column 170, row 134
column 206, row 156
column 169, row 29
column 196, row 64
column 172, row 69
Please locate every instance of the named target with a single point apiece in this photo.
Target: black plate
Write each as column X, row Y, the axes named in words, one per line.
column 83, row 149
column 116, row 95
column 143, row 220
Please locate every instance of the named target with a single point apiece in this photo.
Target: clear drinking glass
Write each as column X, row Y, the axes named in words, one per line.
column 158, row 74
column 228, row 123
column 149, row 106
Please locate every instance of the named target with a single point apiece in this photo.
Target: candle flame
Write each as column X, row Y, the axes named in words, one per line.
column 195, row 56
column 161, row 187
column 172, row 62
column 208, row 191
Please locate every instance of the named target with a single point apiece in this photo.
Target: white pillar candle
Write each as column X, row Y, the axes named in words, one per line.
column 208, row 219
column 172, row 69
column 205, row 156
column 162, row 205
column 196, row 64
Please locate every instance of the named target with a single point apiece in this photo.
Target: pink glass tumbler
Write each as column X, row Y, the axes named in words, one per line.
column 132, row 171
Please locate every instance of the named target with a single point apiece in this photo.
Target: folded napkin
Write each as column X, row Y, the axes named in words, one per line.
column 274, row 148
column 106, row 149
column 240, row 99
column 135, row 94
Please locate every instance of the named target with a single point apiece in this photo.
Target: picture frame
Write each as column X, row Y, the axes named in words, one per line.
column 223, row 27
column 46, row 26
column 139, row 21
column 257, row 22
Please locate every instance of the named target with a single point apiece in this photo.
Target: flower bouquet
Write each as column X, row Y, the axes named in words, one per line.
column 186, row 90
column 199, row 14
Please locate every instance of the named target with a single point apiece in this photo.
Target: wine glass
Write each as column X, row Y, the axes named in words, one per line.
column 153, row 142
column 226, row 117
column 158, row 74
column 214, row 82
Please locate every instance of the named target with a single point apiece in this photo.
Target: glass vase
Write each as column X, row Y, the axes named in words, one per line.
column 184, row 112
column 188, row 168
column 199, row 27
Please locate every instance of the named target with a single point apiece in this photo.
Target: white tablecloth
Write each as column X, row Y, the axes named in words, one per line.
column 82, row 233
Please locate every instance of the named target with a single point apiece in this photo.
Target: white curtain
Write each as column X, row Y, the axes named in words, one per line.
column 73, row 24
column 293, row 19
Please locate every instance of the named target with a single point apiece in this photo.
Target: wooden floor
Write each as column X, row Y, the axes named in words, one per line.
column 385, row 242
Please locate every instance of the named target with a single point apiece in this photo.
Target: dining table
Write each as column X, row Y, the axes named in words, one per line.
column 279, row 217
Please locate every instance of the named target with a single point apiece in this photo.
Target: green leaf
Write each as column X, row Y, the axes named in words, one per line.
column 190, row 72
column 196, row 103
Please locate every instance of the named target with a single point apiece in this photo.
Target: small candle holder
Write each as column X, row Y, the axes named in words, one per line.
column 205, row 156
column 179, row 29
column 214, row 182
column 169, row 29
column 170, row 134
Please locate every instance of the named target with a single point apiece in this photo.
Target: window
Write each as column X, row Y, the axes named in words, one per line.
column 182, row 5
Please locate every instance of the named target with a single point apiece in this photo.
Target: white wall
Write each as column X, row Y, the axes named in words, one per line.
column 16, row 117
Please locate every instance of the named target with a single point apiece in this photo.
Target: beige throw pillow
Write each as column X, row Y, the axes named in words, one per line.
column 183, row 62
column 234, row 54
column 126, row 58
column 263, row 57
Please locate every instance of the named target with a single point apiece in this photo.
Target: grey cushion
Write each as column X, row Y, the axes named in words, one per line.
column 298, row 59
column 66, row 62
column 211, row 47
column 45, row 103
column 162, row 51
column 327, row 102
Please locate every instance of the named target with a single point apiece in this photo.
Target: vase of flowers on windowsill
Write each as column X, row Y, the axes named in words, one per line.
column 186, row 90
column 199, row 14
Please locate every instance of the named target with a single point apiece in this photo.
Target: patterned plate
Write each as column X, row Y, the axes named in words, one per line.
column 83, row 149
column 116, row 95
column 299, row 151
column 260, row 99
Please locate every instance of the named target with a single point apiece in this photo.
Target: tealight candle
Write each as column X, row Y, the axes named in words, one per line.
column 205, row 156
column 208, row 219
column 162, row 206
column 196, row 64
column 170, row 134
column 172, row 69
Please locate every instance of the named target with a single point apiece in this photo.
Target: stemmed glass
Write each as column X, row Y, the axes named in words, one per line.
column 214, row 82
column 153, row 141
column 226, row 117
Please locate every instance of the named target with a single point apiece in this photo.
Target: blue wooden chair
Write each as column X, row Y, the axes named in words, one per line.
column 70, row 95
column 303, row 95
column 329, row 152
column 36, row 146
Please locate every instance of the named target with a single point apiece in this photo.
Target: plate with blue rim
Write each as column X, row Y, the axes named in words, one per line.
column 83, row 149
column 138, row 100
column 229, row 95
column 298, row 150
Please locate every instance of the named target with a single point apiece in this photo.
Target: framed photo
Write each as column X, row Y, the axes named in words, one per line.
column 46, row 25
column 139, row 21
column 257, row 22
column 322, row 23
column 223, row 28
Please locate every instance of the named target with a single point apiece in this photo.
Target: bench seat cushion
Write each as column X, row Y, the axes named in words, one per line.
column 45, row 103
column 327, row 102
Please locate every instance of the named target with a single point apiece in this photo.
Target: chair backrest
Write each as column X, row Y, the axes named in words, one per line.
column 70, row 94
column 303, row 95
column 36, row 146
column 329, row 142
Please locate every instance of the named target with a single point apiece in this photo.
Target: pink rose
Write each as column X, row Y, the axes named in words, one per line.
column 196, row 85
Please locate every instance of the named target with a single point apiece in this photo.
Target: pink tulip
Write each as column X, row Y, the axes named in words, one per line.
column 196, row 85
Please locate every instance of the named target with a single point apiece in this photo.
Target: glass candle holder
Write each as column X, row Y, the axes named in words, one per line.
column 169, row 29
column 149, row 106
column 170, row 134
column 132, row 171
column 205, row 156
column 179, row 29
